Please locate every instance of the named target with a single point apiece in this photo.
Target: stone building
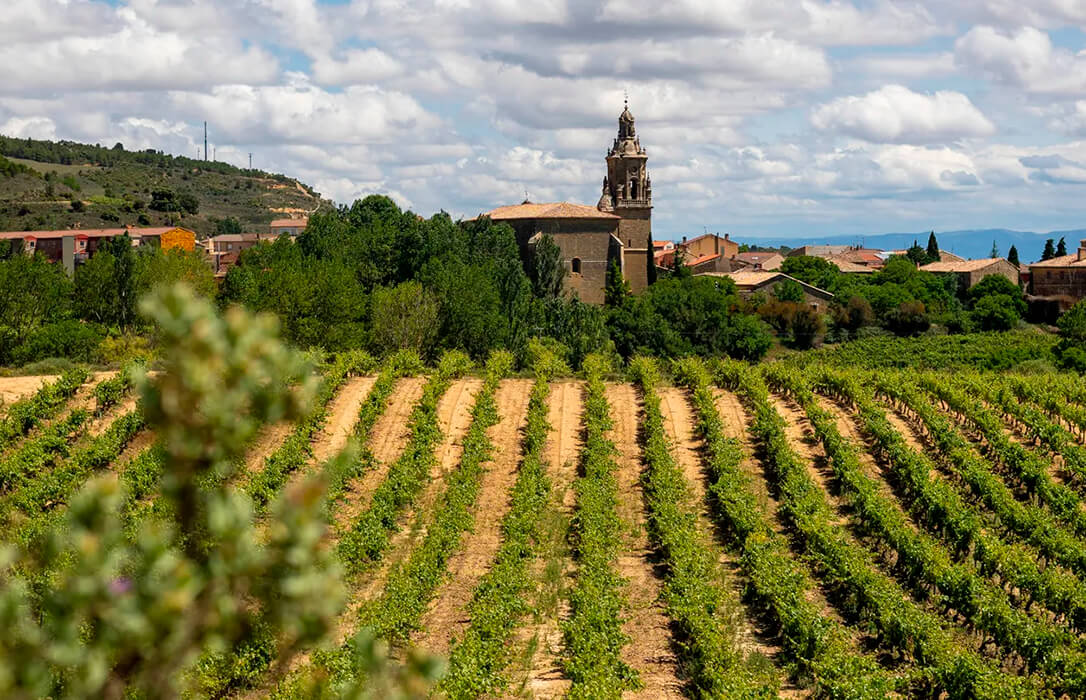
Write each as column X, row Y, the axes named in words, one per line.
column 1062, row 278
column 618, row 229
column 971, row 272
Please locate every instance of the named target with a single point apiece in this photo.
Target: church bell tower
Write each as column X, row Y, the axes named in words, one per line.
column 627, row 193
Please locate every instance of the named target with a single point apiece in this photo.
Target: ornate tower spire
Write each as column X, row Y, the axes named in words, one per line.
column 627, row 172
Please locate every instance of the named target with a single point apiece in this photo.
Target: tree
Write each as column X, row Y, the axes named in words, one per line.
column 1061, row 248
column 908, row 319
column 546, row 270
column 163, row 199
column 124, row 276
column 616, row 289
column 188, row 203
column 33, row 291
column 1000, row 286
column 157, row 268
column 995, row 312
column 788, row 290
column 917, row 254
column 228, row 226
column 1071, row 350
column 814, row 271
column 1012, row 256
column 854, row 315
column 933, row 248
column 995, row 251
column 404, row 317
column 807, row 327
column 96, row 288
column 78, row 206
column 1049, row 251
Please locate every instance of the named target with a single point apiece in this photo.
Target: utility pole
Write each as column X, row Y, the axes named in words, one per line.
column 205, row 142
column 250, row 161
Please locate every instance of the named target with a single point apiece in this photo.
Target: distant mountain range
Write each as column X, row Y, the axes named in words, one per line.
column 976, row 243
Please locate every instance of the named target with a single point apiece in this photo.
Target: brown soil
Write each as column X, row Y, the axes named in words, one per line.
column 801, row 436
column 14, row 388
column 454, row 418
column 751, row 637
column 650, row 648
column 541, row 642
column 389, row 437
column 448, row 617
column 342, row 416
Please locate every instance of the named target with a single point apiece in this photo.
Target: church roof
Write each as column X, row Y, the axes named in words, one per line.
column 551, row 210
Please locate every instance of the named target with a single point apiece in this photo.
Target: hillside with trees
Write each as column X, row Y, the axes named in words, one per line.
column 47, row 185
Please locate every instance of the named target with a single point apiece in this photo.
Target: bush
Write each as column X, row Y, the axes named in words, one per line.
column 1071, row 351
column 807, row 326
column 124, row 348
column 70, row 339
column 908, row 319
column 77, row 205
column 995, row 313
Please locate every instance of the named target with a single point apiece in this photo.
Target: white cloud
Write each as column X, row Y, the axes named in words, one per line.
column 907, row 66
column 358, row 66
column 896, row 114
column 1025, row 58
column 29, row 128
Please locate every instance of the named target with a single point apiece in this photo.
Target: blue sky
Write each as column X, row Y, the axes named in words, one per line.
column 796, row 118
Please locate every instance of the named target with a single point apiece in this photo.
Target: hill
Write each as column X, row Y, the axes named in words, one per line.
column 56, row 185
column 971, row 243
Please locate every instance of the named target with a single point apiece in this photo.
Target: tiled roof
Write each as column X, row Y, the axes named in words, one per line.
column 960, row 266
column 242, row 237
column 845, row 265
column 703, row 259
column 289, row 223
column 1062, row 261
column 89, row 232
column 660, row 244
column 551, row 210
column 756, row 256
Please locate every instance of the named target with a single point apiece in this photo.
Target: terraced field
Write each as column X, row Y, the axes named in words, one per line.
column 695, row 529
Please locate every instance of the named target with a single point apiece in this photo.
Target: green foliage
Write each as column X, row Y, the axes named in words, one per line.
column 991, row 351
column 932, row 250
column 545, row 267
column 818, row 272
column 1061, row 248
column 403, row 317
column 131, row 614
column 789, row 291
column 908, row 319
column 1049, row 250
column 996, row 312
column 227, row 226
column 1071, row 351
column 498, row 602
column 109, row 392
column 616, row 289
column 695, row 600
column 998, row 285
column 1012, row 256
column 593, row 633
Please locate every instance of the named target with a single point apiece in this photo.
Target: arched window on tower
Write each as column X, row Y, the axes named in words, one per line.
column 633, row 189
column 576, row 263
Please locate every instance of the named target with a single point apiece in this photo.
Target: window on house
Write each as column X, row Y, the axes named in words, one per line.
column 576, row 266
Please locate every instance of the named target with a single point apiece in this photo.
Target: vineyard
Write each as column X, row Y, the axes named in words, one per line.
column 703, row 529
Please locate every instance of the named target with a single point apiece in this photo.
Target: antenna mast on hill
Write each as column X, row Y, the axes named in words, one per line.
column 250, row 161
column 205, row 142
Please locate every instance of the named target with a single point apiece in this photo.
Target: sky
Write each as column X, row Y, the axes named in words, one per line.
column 798, row 118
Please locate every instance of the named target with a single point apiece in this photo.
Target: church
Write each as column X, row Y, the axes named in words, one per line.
column 618, row 228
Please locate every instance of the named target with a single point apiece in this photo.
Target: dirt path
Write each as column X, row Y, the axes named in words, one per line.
column 389, row 436
column 448, row 617
column 268, row 439
column 454, row 418
column 540, row 643
column 14, row 388
column 650, row 649
column 342, row 416
column 751, row 637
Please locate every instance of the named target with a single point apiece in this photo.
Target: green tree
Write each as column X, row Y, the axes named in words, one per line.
column 814, row 271
column 1061, row 248
column 995, row 312
column 404, row 317
column 156, row 268
column 545, row 267
column 933, row 249
column 227, row 226
column 1049, row 251
column 164, row 199
column 96, row 288
column 994, row 253
column 788, row 290
column 124, row 275
column 998, row 285
column 616, row 289
column 1071, row 350
column 856, row 314
column 188, row 203
column 917, row 254
column 1012, row 256
column 78, row 206
column 807, row 327
column 33, row 291
column 908, row 319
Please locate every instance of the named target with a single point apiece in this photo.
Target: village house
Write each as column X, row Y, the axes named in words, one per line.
column 758, row 261
column 750, row 282
column 224, row 249
column 1061, row 279
column 74, row 246
column 290, row 227
column 617, row 230
column 970, row 272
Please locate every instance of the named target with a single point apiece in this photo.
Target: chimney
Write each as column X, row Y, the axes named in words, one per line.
column 684, row 240
column 1082, row 250
column 727, row 236
column 716, row 244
